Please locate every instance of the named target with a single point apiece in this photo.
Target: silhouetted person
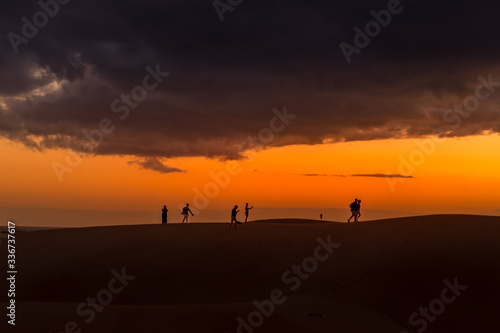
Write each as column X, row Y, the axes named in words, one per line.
column 185, row 213
column 164, row 212
column 359, row 211
column 354, row 210
column 233, row 217
column 321, row 216
column 246, row 212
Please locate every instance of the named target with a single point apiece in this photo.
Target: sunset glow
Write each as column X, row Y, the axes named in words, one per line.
column 460, row 176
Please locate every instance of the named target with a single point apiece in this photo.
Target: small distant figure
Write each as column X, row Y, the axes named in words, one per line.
column 233, row 217
column 359, row 210
column 354, row 210
column 246, row 212
column 321, row 216
column 185, row 213
column 164, row 212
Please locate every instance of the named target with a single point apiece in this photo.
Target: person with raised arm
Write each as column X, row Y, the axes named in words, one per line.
column 246, row 212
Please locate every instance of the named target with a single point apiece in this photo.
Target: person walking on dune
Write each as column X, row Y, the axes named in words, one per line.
column 359, row 211
column 164, row 212
column 247, row 209
column 233, row 217
column 185, row 213
column 354, row 210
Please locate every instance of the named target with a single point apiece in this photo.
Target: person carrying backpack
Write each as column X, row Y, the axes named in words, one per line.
column 354, row 210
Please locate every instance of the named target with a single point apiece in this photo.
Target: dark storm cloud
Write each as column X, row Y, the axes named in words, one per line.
column 226, row 77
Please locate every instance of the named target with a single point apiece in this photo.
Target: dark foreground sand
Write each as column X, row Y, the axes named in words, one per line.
column 202, row 277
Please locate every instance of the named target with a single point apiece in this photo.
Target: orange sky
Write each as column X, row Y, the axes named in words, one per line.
column 460, row 176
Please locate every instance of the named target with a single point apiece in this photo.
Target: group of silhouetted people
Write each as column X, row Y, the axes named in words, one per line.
column 235, row 211
column 185, row 213
column 355, row 210
column 355, row 213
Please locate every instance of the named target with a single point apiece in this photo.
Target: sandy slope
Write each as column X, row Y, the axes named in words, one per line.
column 201, row 277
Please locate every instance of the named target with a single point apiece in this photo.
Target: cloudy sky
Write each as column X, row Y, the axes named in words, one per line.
column 225, row 78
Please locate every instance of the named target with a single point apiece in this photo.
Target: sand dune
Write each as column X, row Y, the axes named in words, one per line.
column 202, row 277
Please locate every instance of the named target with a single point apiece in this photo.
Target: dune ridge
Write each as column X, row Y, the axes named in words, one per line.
column 202, row 277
